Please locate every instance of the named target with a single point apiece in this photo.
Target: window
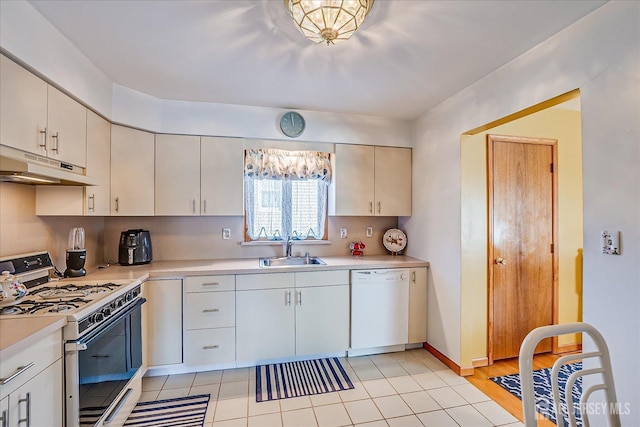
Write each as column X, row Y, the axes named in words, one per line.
column 286, row 194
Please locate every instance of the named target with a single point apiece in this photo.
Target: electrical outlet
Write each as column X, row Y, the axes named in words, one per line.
column 369, row 231
column 343, row 233
column 226, row 233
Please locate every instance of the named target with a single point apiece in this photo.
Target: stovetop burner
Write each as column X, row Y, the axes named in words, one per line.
column 40, row 307
column 72, row 290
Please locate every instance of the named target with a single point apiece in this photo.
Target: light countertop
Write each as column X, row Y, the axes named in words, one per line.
column 183, row 268
column 19, row 332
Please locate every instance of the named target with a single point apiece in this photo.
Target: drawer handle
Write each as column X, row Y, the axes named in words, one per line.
column 211, row 310
column 211, row 284
column 20, row 370
column 210, row 347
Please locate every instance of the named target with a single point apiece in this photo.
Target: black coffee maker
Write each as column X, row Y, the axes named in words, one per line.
column 76, row 253
column 135, row 247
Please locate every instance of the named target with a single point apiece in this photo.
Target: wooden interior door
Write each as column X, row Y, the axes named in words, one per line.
column 521, row 241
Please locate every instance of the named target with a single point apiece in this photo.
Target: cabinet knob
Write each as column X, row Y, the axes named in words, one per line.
column 500, row 261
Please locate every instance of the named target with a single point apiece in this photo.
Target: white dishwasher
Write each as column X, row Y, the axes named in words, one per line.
column 379, row 308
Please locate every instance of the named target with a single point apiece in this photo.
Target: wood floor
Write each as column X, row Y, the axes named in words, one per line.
column 505, row 399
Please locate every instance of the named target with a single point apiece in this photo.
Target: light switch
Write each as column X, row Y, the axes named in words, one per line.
column 226, row 233
column 610, row 242
column 343, row 233
column 369, row 231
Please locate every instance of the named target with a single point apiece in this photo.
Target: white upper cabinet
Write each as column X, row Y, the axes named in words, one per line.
column 371, row 181
column 132, row 172
column 67, row 129
column 221, row 176
column 353, row 180
column 23, row 112
column 38, row 118
column 177, row 175
column 393, row 181
column 96, row 198
column 198, row 176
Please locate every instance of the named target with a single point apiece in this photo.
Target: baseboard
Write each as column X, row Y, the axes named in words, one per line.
column 461, row 371
column 480, row 362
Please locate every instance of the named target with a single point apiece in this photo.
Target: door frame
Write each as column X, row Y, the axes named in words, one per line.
column 555, row 259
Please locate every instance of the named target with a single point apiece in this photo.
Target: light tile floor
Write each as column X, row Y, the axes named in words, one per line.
column 406, row 389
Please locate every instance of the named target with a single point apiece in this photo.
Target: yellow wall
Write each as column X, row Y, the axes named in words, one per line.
column 556, row 123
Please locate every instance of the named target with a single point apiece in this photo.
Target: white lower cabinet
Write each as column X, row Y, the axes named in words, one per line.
column 162, row 314
column 284, row 315
column 4, row 411
column 210, row 320
column 418, row 305
column 38, row 403
column 31, row 393
column 265, row 324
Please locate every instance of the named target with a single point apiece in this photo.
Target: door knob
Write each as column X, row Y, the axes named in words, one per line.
column 500, row 261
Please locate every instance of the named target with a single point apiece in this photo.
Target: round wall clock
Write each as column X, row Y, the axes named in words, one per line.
column 394, row 240
column 292, row 124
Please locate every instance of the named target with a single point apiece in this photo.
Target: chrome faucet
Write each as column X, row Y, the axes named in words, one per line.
column 288, row 245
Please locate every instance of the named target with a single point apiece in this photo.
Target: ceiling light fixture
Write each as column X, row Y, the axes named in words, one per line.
column 328, row 21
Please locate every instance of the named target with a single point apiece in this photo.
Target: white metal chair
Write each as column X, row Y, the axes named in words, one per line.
column 604, row 369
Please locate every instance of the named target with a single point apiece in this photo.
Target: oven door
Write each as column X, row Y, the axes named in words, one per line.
column 100, row 364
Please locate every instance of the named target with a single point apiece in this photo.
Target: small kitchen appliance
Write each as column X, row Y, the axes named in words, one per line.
column 76, row 253
column 135, row 247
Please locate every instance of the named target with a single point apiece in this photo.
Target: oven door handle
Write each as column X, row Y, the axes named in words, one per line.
column 83, row 343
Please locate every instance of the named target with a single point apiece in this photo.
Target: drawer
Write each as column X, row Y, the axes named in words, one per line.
column 42, row 354
column 209, row 283
column 210, row 310
column 210, row 346
column 322, row 278
column 245, row 282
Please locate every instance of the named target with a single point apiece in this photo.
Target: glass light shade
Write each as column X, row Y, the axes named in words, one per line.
column 328, row 21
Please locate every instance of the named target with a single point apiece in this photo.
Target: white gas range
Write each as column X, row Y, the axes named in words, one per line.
column 103, row 350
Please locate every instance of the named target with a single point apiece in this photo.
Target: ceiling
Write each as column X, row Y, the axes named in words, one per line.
column 408, row 56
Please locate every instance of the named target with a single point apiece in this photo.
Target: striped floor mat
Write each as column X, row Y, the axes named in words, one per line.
column 304, row 378
column 183, row 412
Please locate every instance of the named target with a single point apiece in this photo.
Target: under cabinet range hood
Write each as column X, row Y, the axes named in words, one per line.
column 26, row 168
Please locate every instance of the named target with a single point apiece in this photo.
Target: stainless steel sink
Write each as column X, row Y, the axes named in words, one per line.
column 291, row 261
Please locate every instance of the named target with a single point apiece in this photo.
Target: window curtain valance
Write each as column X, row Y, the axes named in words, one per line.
column 287, row 165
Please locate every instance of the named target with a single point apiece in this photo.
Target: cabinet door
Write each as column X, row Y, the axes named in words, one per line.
column 264, row 324
column 222, row 176
column 23, row 108
column 418, row 305
column 4, row 411
column 352, row 190
column 132, row 172
column 393, row 181
column 177, row 180
column 98, row 165
column 162, row 315
column 40, row 398
column 322, row 319
column 67, row 121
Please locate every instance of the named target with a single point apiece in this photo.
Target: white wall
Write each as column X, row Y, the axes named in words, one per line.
column 598, row 55
column 28, row 37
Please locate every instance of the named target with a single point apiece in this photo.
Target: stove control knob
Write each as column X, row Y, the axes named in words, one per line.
column 128, row 297
column 106, row 312
column 113, row 305
column 97, row 318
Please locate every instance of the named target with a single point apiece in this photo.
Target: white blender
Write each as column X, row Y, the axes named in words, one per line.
column 76, row 253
